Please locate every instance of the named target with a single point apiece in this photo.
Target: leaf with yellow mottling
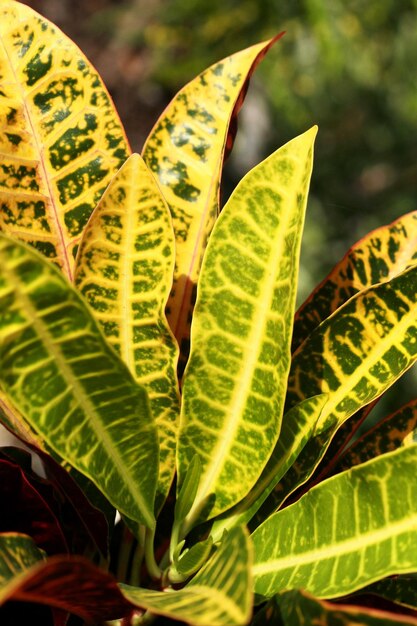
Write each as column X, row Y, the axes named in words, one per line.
column 185, row 151
column 124, row 270
column 61, row 140
column 377, row 257
column 235, row 381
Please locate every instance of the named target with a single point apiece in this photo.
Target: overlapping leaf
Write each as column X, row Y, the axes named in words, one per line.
column 185, row 150
column 297, row 427
column 349, row 531
column 296, row 608
column 379, row 256
column 220, row 593
column 399, row 589
column 70, row 385
column 236, row 377
column 354, row 356
column 60, row 138
column 124, row 269
column 69, row 583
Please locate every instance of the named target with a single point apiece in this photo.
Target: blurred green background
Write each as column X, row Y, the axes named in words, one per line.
column 350, row 67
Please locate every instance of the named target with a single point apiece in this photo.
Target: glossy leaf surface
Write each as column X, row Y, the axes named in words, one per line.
column 379, row 256
column 72, row 584
column 61, row 140
column 296, row 608
column 185, row 150
column 236, row 377
column 124, row 270
column 70, row 385
column 220, row 593
column 349, row 531
column 297, row 427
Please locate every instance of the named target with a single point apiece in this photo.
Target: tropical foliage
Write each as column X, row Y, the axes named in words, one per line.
column 116, row 271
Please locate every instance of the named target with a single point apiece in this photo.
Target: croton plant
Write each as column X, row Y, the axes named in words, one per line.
column 239, row 499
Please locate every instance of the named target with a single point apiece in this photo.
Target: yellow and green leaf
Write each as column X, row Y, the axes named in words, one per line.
column 347, row 532
column 185, row 151
column 61, row 141
column 124, row 270
column 297, row 428
column 236, row 377
column 70, row 386
column 220, row 593
column 378, row 257
column 17, row 554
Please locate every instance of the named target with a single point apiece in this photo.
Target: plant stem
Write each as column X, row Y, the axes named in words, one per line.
column 153, row 569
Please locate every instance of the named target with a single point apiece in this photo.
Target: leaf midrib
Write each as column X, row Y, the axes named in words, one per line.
column 61, row 239
column 82, row 400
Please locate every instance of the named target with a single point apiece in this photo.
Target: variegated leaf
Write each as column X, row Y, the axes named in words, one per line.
column 379, row 256
column 297, row 427
column 220, row 593
column 17, row 554
column 185, row 150
column 352, row 529
column 60, row 138
column 236, row 377
column 124, row 270
column 70, row 386
column 399, row 589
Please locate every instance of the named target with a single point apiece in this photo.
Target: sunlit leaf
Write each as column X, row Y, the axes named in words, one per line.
column 379, row 256
column 69, row 384
column 236, row 377
column 352, row 529
column 185, row 150
column 124, row 270
column 220, row 593
column 61, row 140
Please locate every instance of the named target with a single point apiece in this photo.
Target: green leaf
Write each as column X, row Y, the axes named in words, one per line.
column 219, row 594
column 352, row 529
column 396, row 430
column 297, row 426
column 185, row 151
column 193, row 559
column 377, row 257
column 124, row 270
column 70, row 386
column 240, row 343
column 64, row 140
column 17, row 554
column 297, row 608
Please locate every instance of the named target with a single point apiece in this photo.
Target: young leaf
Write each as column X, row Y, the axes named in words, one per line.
column 124, row 270
column 379, row 256
column 297, row 608
column 219, row 594
column 69, row 384
column 352, row 529
column 69, row 583
column 194, row 558
column 297, row 426
column 64, row 140
column 185, row 151
column 240, row 345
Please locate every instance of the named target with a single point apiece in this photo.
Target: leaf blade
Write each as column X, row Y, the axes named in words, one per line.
column 357, row 545
column 124, row 270
column 56, row 363
column 236, row 376
column 67, row 141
